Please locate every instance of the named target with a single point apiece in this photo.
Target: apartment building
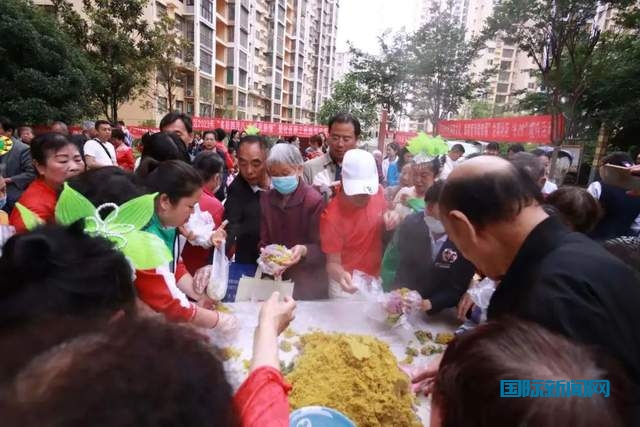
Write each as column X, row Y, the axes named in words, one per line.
column 268, row 60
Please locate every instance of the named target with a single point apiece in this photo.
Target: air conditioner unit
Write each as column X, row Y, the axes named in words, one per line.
column 189, row 92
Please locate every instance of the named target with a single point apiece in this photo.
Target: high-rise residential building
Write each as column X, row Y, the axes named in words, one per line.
column 513, row 68
column 342, row 65
column 250, row 59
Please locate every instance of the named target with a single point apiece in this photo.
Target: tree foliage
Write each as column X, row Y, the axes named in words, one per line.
column 350, row 96
column 169, row 46
column 560, row 37
column 119, row 44
column 385, row 76
column 440, row 61
column 43, row 75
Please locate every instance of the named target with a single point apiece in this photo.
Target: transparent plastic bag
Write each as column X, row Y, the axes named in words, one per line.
column 397, row 309
column 219, row 278
column 481, row 295
column 201, row 224
column 272, row 258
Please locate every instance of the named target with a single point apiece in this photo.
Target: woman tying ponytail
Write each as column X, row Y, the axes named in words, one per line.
column 169, row 288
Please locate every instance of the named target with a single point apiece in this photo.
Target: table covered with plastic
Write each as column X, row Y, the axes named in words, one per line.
column 344, row 316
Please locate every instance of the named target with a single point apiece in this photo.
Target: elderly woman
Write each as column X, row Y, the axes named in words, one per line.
column 291, row 217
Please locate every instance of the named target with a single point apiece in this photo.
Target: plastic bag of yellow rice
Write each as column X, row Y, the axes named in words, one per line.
column 356, row 375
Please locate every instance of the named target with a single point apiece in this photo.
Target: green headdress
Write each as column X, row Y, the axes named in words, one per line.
column 425, row 148
column 252, row 130
column 123, row 226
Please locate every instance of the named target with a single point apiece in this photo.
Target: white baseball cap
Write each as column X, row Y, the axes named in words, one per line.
column 359, row 173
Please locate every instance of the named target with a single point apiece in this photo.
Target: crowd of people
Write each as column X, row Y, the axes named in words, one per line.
column 77, row 309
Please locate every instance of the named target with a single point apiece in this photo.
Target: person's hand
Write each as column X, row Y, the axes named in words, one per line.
column 391, row 220
column 220, row 235
column 465, row 304
column 201, row 279
column 426, row 305
column 226, row 323
column 342, row 277
column 297, row 253
column 404, row 199
column 277, row 314
column 8, row 180
column 423, row 379
column 189, row 235
column 206, row 302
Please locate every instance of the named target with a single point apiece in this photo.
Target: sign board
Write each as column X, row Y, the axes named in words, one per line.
column 532, row 129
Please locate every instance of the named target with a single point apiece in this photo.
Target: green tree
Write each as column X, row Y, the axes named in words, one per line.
column 349, row 95
column 560, row 38
column 119, row 44
column 384, row 77
column 480, row 109
column 171, row 51
column 42, row 76
column 440, row 66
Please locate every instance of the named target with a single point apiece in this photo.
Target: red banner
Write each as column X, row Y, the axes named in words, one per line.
column 266, row 128
column 534, row 129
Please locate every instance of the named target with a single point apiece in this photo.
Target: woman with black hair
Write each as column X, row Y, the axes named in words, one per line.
column 209, row 166
column 56, row 159
column 168, row 288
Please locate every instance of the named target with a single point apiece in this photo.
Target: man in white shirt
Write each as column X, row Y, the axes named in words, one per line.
column 451, row 159
column 99, row 152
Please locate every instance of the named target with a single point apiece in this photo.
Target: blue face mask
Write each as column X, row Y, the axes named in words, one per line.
column 285, row 184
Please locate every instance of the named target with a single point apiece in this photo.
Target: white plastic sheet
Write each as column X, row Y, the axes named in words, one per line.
column 346, row 316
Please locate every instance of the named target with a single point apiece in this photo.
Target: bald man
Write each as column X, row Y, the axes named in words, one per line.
column 561, row 280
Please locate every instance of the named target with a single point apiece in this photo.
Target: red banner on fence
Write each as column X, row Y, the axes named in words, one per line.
column 534, row 129
column 266, row 128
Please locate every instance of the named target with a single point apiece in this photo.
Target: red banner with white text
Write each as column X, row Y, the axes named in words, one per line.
column 266, row 128
column 533, row 129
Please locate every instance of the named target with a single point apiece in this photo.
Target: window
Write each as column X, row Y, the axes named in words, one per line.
column 162, row 105
column 504, row 76
column 244, row 38
column 243, row 60
column 180, row 106
column 507, row 53
column 205, row 110
column 279, row 63
column 190, row 107
column 231, row 34
column 489, row 61
column 532, row 86
column 206, row 9
column 205, row 89
column 206, row 36
column 242, row 100
column 205, row 62
column 501, row 99
column 244, row 18
column 242, row 77
column 230, row 76
column 505, row 65
column 161, row 10
column 230, row 56
column 503, row 88
column 278, row 93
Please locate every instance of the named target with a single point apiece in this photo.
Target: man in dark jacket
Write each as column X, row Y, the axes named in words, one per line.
column 428, row 261
column 548, row 275
column 16, row 165
column 242, row 208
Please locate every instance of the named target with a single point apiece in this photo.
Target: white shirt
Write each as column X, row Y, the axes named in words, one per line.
column 449, row 166
column 96, row 149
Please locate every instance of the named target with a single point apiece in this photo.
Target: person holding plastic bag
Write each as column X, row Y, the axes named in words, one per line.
column 208, row 213
column 168, row 289
column 290, row 217
column 353, row 226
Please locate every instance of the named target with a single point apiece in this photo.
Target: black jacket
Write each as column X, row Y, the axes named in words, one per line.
column 572, row 286
column 442, row 281
column 620, row 211
column 242, row 210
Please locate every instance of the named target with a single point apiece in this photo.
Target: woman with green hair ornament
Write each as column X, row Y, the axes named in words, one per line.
column 427, row 160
